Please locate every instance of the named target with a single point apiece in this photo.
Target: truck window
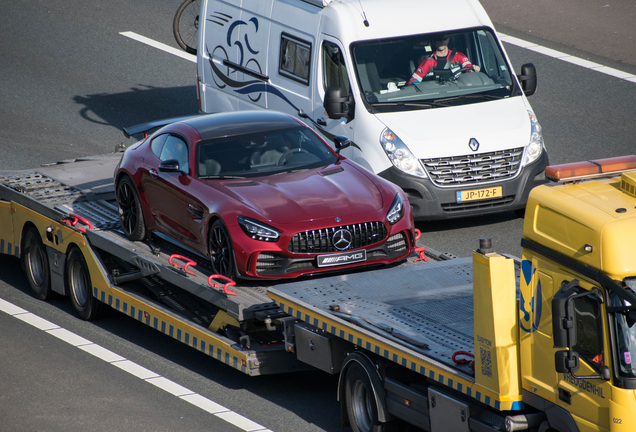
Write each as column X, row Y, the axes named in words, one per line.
column 334, row 70
column 589, row 328
column 625, row 337
column 295, row 58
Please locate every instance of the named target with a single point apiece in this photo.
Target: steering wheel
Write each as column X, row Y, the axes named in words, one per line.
column 283, row 158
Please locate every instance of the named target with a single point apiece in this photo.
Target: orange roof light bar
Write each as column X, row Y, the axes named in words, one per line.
column 593, row 168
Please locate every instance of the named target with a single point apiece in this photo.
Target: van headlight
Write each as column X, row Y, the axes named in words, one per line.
column 396, row 212
column 400, row 155
column 535, row 146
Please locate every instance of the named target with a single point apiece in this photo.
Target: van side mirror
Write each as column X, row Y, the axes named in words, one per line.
column 341, row 142
column 528, row 79
column 337, row 106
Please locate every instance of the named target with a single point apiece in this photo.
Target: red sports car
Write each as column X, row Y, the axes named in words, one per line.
column 262, row 196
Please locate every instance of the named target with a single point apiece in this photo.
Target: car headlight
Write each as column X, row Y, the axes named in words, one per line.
column 400, row 155
column 258, row 230
column 396, row 212
column 535, row 146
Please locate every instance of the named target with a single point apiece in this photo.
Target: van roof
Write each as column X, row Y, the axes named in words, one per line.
column 393, row 19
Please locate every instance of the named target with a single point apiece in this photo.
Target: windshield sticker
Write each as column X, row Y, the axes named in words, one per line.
column 628, row 357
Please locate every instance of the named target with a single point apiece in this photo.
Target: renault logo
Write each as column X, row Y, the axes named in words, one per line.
column 342, row 239
column 473, row 144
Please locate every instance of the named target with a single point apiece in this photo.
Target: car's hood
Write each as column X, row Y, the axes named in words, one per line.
column 334, row 191
column 442, row 132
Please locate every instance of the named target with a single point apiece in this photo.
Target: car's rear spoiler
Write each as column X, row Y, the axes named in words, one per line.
column 148, row 126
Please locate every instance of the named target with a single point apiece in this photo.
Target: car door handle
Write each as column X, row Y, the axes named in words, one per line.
column 154, row 173
column 321, row 121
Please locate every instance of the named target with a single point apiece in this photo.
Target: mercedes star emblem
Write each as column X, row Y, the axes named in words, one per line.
column 342, row 239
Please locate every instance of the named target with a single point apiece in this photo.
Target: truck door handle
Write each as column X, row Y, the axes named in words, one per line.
column 153, row 173
column 321, row 121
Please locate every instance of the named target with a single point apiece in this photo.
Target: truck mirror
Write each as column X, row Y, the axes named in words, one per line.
column 528, row 79
column 563, row 324
column 337, row 106
column 341, row 142
column 566, row 361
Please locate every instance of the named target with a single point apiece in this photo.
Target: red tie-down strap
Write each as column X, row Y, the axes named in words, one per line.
column 419, row 250
column 189, row 262
column 73, row 219
column 228, row 283
column 464, row 361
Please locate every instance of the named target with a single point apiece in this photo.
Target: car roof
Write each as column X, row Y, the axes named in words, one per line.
column 240, row 122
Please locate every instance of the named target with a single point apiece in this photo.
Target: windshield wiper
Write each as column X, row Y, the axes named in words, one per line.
column 215, row 177
column 411, row 104
column 470, row 96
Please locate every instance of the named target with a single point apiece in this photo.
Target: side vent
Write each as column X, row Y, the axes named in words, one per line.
column 628, row 183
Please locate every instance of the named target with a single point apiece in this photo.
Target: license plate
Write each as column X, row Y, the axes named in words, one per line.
column 342, row 258
column 479, row 194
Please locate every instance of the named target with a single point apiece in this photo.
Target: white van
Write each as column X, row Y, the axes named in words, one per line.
column 460, row 138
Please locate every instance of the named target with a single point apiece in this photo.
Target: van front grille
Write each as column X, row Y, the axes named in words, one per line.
column 474, row 168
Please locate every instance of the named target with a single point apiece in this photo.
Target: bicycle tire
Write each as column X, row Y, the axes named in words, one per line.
column 185, row 25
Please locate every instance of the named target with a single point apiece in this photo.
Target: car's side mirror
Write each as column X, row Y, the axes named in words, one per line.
column 338, row 106
column 341, row 142
column 170, row 165
column 528, row 79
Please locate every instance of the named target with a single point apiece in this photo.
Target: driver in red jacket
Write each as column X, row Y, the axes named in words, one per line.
column 439, row 59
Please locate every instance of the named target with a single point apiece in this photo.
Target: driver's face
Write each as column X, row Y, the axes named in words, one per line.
column 440, row 44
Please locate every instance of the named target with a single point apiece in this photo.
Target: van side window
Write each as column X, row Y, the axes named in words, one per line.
column 335, row 72
column 176, row 148
column 295, row 58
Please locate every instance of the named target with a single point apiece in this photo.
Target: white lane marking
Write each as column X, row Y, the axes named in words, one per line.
column 160, row 46
column 568, row 58
column 132, row 368
column 505, row 38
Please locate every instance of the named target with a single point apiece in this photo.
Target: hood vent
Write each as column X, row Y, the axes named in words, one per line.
column 331, row 171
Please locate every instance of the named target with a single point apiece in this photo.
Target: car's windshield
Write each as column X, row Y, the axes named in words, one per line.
column 431, row 70
column 625, row 336
column 264, row 153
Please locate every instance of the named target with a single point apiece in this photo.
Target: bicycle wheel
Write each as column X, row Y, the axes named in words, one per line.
column 186, row 25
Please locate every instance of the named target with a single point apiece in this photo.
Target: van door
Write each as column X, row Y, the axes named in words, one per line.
column 332, row 72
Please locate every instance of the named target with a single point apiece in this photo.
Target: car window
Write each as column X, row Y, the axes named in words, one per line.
column 264, row 153
column 157, row 144
column 176, row 148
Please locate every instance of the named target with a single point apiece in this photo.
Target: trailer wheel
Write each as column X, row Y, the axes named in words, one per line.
column 361, row 405
column 78, row 280
column 36, row 264
column 131, row 214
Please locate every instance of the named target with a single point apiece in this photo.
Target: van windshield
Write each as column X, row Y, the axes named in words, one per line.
column 432, row 70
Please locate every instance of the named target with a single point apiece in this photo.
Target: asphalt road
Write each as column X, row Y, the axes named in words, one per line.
column 69, row 82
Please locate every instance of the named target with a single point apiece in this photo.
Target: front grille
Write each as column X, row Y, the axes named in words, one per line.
column 474, row 168
column 320, row 241
column 397, row 244
column 478, row 205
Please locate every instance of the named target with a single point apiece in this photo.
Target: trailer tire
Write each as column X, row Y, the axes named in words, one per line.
column 131, row 216
column 362, row 410
column 36, row 264
column 78, row 283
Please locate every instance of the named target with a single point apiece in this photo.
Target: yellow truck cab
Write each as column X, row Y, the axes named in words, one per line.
column 577, row 306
